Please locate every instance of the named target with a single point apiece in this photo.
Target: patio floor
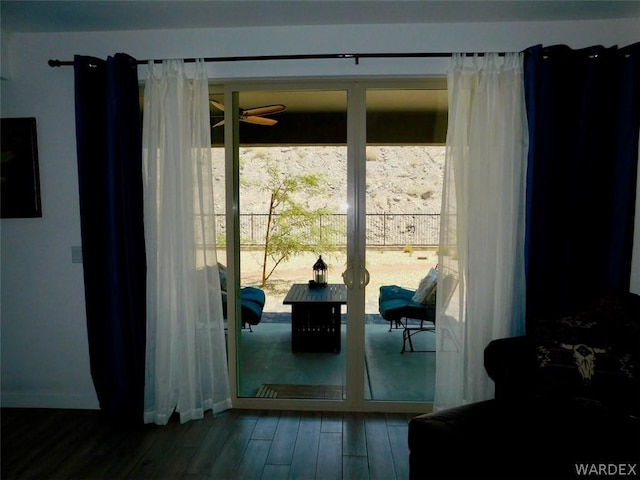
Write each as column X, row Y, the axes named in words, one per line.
column 266, row 359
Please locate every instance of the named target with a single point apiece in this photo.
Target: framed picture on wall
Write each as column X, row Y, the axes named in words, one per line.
column 19, row 175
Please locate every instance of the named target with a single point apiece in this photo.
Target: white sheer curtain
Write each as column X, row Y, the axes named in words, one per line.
column 186, row 367
column 482, row 231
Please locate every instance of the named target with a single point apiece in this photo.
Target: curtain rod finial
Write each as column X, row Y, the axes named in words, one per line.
column 54, row 63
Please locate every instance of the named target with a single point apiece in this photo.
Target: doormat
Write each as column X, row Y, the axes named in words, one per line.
column 323, row 392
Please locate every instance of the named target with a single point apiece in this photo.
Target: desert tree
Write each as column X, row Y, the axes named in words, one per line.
column 293, row 227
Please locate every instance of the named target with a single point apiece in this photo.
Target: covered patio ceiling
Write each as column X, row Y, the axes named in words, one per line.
column 319, row 117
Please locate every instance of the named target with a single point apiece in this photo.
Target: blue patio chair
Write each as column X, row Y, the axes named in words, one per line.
column 397, row 305
column 252, row 299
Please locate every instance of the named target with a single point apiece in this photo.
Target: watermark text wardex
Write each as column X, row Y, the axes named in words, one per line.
column 607, row 469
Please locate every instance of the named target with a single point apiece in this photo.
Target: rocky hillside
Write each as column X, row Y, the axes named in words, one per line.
column 399, row 179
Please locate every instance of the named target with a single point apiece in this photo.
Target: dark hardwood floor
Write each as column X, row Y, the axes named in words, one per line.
column 237, row 444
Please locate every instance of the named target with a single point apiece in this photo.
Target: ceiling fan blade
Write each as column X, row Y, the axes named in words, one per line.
column 266, row 110
column 217, row 104
column 259, row 120
column 221, row 122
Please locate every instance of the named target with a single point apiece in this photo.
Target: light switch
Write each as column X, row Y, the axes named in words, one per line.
column 76, row 254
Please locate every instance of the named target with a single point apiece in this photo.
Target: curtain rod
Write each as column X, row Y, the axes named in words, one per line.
column 354, row 56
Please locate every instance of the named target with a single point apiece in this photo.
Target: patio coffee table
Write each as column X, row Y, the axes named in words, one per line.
column 315, row 317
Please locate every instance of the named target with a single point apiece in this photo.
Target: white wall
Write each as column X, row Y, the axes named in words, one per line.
column 45, row 358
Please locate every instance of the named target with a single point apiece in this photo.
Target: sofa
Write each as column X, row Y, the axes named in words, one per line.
column 566, row 404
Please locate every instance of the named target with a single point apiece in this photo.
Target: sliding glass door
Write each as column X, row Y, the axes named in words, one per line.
column 291, row 196
column 404, row 166
column 322, row 171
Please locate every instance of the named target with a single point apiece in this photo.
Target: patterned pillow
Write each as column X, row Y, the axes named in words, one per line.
column 426, row 287
column 591, row 357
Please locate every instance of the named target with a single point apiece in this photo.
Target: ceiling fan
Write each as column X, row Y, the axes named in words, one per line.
column 253, row 115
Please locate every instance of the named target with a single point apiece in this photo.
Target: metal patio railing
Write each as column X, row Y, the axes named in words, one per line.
column 383, row 229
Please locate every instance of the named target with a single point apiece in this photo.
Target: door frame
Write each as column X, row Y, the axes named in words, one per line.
column 356, row 89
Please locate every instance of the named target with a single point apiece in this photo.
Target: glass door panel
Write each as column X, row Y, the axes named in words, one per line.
column 292, row 209
column 405, row 134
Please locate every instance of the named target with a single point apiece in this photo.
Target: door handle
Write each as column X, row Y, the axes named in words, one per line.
column 347, row 276
column 364, row 278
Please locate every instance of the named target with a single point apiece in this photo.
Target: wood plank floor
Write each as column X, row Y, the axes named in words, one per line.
column 235, row 445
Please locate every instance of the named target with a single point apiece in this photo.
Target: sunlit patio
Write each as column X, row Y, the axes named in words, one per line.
column 267, row 359
column 265, row 354
column 402, row 231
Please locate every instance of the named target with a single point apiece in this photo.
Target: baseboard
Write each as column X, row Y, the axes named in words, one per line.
column 40, row 400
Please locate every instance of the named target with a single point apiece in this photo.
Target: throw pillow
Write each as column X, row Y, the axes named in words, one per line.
column 589, row 357
column 431, row 298
column 426, row 286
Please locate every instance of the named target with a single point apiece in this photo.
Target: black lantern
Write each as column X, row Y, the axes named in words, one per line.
column 320, row 273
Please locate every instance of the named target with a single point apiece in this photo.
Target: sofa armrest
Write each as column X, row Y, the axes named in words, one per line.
column 511, row 364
